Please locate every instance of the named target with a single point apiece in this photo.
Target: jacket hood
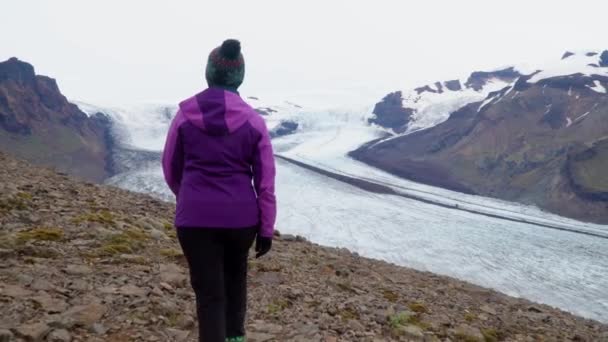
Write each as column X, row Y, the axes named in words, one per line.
column 216, row 111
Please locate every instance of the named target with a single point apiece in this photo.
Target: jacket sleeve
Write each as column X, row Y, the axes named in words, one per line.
column 263, row 179
column 173, row 155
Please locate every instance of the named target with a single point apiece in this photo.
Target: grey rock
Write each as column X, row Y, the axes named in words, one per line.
column 307, row 329
column 288, row 238
column 271, row 328
column 15, row 291
column 41, row 285
column 355, row 325
column 78, row 285
column 412, row 332
column 185, row 322
column 25, row 279
column 132, row 291
column 98, row 329
column 33, row 332
column 488, row 309
column 83, row 315
column 173, row 275
column 178, row 335
column 50, row 304
column 431, row 338
column 78, row 270
column 269, row 278
column 157, row 292
column 260, row 337
column 6, row 335
column 158, row 235
column 60, row 335
column 469, row 332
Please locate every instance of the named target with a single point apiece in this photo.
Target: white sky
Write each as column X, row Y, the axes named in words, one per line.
column 329, row 52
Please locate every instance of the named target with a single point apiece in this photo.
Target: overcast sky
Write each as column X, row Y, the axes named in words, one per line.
column 114, row 52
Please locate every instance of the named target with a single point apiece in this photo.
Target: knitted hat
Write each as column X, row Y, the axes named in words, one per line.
column 226, row 66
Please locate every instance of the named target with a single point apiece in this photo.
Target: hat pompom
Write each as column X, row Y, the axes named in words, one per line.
column 230, row 49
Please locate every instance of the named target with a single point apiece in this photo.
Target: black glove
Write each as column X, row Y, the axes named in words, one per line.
column 262, row 245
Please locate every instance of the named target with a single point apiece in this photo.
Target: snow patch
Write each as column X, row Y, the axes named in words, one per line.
column 580, row 117
column 598, row 87
column 485, row 103
column 431, row 109
column 578, row 63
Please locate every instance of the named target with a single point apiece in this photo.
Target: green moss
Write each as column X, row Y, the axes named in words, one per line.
column 24, row 196
column 460, row 337
column 126, row 242
column 418, row 308
column 173, row 319
column 104, row 217
column 13, row 203
column 397, row 321
column 172, row 234
column 114, row 249
column 171, row 253
column 491, row 335
column 405, row 318
column 470, row 317
column 349, row 313
column 277, row 306
column 40, row 234
column 390, row 296
column 6, row 241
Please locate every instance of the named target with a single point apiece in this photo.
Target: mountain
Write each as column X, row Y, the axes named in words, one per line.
column 429, row 105
column 38, row 123
column 541, row 139
column 88, row 262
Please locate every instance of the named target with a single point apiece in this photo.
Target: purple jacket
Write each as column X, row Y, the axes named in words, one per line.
column 218, row 161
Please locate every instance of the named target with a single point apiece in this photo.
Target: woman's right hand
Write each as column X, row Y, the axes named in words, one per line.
column 262, row 245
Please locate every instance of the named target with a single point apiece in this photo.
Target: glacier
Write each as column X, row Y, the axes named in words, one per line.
column 517, row 256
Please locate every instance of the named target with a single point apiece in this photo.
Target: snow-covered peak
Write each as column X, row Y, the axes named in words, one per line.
column 432, row 105
column 572, row 63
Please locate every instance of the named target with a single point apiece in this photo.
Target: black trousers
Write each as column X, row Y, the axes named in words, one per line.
column 217, row 258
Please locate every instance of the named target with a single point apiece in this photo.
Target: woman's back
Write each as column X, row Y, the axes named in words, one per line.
column 218, row 136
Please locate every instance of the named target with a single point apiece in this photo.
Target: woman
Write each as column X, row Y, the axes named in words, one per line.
column 218, row 162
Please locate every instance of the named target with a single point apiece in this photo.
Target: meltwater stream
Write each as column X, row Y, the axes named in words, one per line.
column 559, row 268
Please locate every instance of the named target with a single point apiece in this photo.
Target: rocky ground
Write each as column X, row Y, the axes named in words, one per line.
column 84, row 262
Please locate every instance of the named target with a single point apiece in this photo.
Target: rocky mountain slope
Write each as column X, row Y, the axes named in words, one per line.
column 85, row 262
column 539, row 140
column 39, row 124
